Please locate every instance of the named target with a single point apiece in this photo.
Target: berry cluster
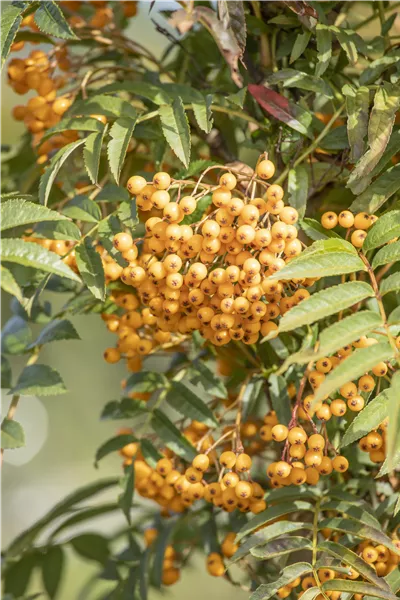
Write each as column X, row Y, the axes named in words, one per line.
column 210, row 275
column 226, row 483
column 356, row 225
column 375, row 443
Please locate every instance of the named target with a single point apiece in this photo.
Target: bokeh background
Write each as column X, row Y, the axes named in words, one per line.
column 63, row 432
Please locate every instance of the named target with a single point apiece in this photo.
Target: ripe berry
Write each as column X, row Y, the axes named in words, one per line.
column 340, row 464
column 357, row 238
column 230, row 479
column 161, row 181
column 356, row 403
column 338, row 408
column 346, row 219
column 370, row 554
column 279, row 433
column 201, row 462
column 228, row 181
column 227, row 459
column 265, row 169
column 243, row 489
column 312, row 458
column 316, row 442
column 164, row 466
column 362, row 221
column 329, row 220
column 297, row 476
column 297, row 435
column 123, row 241
column 112, row 355
column 282, row 469
column 243, row 463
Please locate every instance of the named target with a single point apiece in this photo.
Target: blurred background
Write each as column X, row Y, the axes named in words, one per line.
column 63, row 432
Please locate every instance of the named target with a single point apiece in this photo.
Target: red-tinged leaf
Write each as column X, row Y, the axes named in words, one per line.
column 279, row 107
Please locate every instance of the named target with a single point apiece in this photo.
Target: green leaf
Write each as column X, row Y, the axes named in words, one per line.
column 357, row 107
column 91, row 268
column 190, row 401
column 288, row 574
column 358, row 587
column 85, row 514
column 368, row 419
column 12, row 434
column 58, row 230
column 378, row 191
column 101, row 104
column 32, row 255
column 386, row 467
column 315, row 231
column 11, row 18
column 355, row 365
column 39, row 380
column 325, row 303
column 154, row 93
column 203, row 113
column 298, row 79
column 211, row 383
column 150, row 453
column 17, row 212
column 353, row 527
column 125, row 409
column 121, row 133
column 92, row 154
column 27, row 537
column 279, row 398
column 358, row 510
column 390, row 284
column 113, row 193
column 300, row 45
column 281, row 546
column 176, row 130
column 265, row 534
column 18, row 574
column 393, row 437
column 392, row 148
column 50, row 19
column 128, row 214
column 51, row 172
column 171, row 436
column 385, row 229
column 77, row 124
column 9, row 284
column 348, row 41
column 324, row 49
column 145, row 381
column 350, row 558
column 376, row 68
column 386, row 255
column 113, row 444
column 394, row 317
column 6, row 373
column 336, row 336
column 16, row 336
column 52, row 569
column 106, row 231
column 272, row 513
column 386, row 103
column 238, row 98
column 57, row 330
column 126, row 496
column 83, row 208
column 324, row 258
column 92, row 546
column 298, row 189
column 160, row 544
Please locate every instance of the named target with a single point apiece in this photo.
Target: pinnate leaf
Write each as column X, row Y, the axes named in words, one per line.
column 385, row 229
column 355, row 365
column 11, row 18
column 32, row 255
column 368, row 419
column 57, row 330
column 91, row 268
column 121, row 134
column 325, row 303
column 50, row 19
column 190, row 401
column 171, row 436
column 390, row 284
column 12, row 434
column 51, row 172
column 176, row 130
column 39, row 380
column 288, row 574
